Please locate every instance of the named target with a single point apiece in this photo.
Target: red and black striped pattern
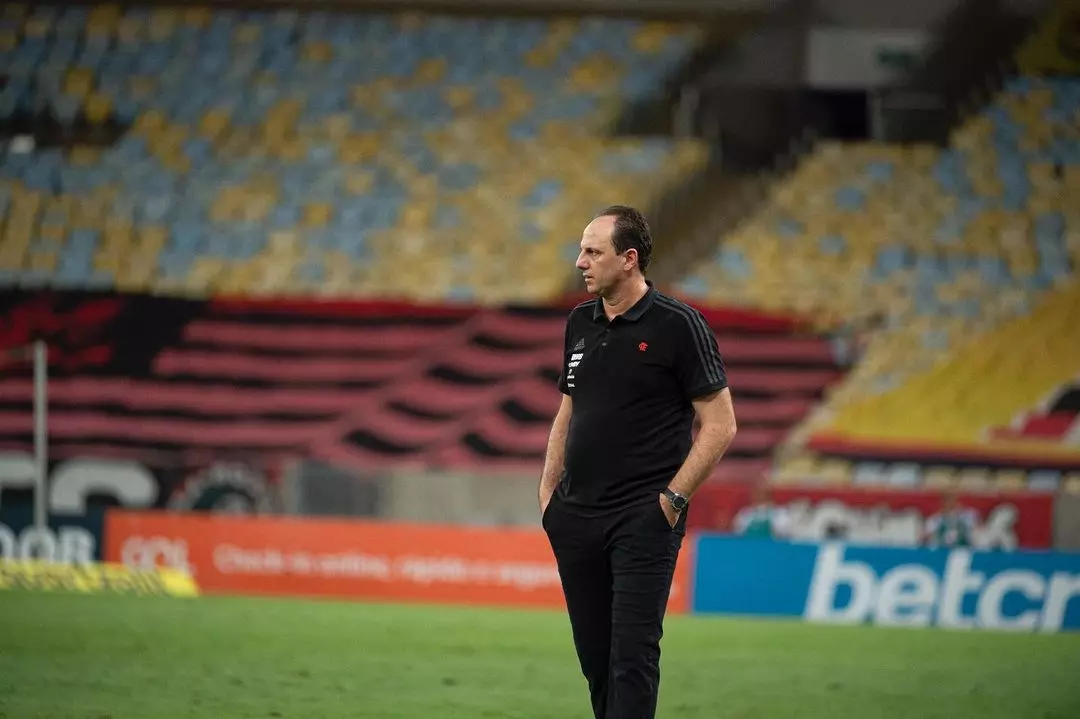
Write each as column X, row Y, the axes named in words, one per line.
column 179, row 381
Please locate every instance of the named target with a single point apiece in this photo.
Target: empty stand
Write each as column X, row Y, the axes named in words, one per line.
column 953, row 267
column 1031, row 417
column 271, row 153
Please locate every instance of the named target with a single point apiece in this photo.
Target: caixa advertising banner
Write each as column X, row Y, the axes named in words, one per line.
column 843, row 584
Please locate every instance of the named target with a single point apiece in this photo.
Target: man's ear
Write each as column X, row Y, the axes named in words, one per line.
column 630, row 259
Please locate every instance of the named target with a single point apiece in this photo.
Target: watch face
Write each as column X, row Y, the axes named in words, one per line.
column 677, row 501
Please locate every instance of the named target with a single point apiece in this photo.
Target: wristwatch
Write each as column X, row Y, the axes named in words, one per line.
column 678, row 501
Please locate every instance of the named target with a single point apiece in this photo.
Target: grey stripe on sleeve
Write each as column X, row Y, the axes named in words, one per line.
column 700, row 331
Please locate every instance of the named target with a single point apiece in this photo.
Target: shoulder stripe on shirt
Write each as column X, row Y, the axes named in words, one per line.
column 700, row 332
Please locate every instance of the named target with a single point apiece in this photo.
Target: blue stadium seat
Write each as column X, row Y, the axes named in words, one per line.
column 1044, row 480
column 289, row 93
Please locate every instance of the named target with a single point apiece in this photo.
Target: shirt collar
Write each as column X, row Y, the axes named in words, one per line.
column 634, row 313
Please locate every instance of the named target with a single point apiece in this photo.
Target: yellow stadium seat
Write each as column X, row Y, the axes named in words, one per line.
column 14, row 10
column 337, row 126
column 790, row 272
column 204, row 270
column 1010, row 480
column 430, row 71
column 214, row 123
column 317, row 214
column 130, row 30
column 459, row 96
column 835, row 471
column 1071, row 483
column 797, row 469
column 135, row 275
column 38, row 27
column 106, row 261
column 102, row 20
column 283, row 244
column 317, row 52
column 248, row 33
column 79, row 82
column 939, row 478
column 594, row 73
column 14, row 249
column 358, row 182
column 162, row 23
column 197, row 16
column 973, row 479
column 151, row 238
column 228, row 280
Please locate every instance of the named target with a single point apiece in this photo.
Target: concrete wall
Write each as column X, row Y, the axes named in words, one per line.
column 461, row 498
column 1067, row 522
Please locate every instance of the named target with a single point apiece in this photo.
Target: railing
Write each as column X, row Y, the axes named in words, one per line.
column 658, row 8
column 37, row 354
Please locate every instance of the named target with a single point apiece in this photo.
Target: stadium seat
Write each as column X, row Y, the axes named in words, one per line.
column 1044, row 481
column 959, row 260
column 263, row 121
column 940, row 478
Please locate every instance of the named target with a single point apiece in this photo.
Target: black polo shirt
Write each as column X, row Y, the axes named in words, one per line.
column 632, row 381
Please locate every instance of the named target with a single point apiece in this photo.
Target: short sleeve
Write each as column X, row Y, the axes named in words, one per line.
column 564, row 362
column 699, row 365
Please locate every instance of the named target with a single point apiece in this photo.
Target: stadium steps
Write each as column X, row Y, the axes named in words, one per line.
column 922, row 258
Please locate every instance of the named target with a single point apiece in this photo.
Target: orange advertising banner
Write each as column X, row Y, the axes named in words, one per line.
column 352, row 559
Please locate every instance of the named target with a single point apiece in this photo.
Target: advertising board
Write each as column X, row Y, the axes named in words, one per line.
column 890, row 517
column 844, row 584
column 67, row 539
column 35, row 575
column 351, row 559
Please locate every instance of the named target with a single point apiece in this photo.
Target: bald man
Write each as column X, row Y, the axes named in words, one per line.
column 622, row 464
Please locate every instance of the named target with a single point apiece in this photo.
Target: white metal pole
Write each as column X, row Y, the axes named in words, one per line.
column 41, row 429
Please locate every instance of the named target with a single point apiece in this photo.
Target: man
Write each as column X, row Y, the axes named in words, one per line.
column 953, row 526
column 762, row 519
column 621, row 461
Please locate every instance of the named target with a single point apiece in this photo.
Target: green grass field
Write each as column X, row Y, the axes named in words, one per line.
column 108, row 656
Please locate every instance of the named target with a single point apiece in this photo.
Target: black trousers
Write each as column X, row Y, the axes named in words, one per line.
column 616, row 574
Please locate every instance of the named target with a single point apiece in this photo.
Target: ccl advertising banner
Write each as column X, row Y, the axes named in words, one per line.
column 838, row 583
column 351, row 559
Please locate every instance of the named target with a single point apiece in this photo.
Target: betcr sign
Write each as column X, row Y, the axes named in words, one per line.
column 919, row 595
column 845, row 584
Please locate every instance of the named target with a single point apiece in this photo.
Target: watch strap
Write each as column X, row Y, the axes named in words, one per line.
column 678, row 501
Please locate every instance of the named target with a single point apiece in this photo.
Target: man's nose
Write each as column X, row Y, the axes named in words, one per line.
column 582, row 264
